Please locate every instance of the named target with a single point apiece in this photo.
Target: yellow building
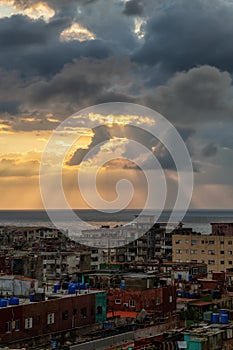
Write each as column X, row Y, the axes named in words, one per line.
column 215, row 251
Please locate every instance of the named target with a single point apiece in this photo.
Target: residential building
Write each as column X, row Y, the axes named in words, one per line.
column 35, row 322
column 215, row 250
column 160, row 302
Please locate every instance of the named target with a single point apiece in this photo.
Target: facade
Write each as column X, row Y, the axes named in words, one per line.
column 31, row 320
column 17, row 285
column 214, row 250
column 51, row 265
column 160, row 301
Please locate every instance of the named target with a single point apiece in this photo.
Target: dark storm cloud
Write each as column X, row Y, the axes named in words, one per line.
column 188, row 34
column 19, row 31
column 133, row 8
column 10, row 107
column 197, row 96
column 209, row 150
column 80, row 84
column 101, row 134
column 154, row 146
column 34, row 47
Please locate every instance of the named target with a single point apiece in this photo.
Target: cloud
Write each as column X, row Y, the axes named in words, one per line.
column 76, row 32
column 194, row 97
column 32, row 46
column 14, row 168
column 80, row 84
column 9, row 107
column 133, row 8
column 186, row 34
column 209, row 150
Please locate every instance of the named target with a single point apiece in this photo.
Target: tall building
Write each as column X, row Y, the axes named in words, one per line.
column 216, row 249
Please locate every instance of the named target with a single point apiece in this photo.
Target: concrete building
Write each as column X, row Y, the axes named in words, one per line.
column 215, row 250
column 160, row 302
column 49, row 266
column 17, row 285
column 31, row 323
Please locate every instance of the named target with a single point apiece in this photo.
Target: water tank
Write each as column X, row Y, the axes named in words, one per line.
column 32, row 297
column 224, row 318
column 192, row 295
column 215, row 318
column 72, row 288
column 54, row 344
column 56, row 288
column 14, row 301
column 82, row 286
column 223, row 312
column 3, row 302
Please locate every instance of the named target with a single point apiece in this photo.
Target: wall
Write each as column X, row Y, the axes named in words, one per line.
column 73, row 305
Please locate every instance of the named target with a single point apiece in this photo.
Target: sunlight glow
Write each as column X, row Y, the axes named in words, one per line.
column 120, row 119
column 76, row 32
column 40, row 10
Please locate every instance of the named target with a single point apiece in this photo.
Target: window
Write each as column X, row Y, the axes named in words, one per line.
column 211, row 262
column 187, row 251
column 230, row 262
column 222, row 262
column 221, row 242
column 222, row 252
column 65, row 315
column 229, row 252
column 84, row 312
column 37, row 319
column 50, row 318
column 230, row 242
column 211, row 252
column 131, row 302
column 170, row 299
column 193, row 251
column 74, row 312
column 28, row 323
column 99, row 310
column 187, row 241
column 203, row 241
column 178, row 251
column 178, row 241
column 193, row 241
column 195, row 270
column 211, row 242
column 118, row 301
column 203, row 252
column 157, row 301
column 17, row 325
column 8, row 327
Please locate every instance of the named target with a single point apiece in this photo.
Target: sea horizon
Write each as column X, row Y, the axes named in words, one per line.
column 198, row 219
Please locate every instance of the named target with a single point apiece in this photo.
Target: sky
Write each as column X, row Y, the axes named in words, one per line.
column 58, row 57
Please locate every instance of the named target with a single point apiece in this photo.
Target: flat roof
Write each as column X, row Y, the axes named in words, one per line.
column 202, row 303
column 122, row 314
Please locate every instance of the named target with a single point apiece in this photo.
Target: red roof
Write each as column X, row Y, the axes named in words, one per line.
column 122, row 314
column 202, row 303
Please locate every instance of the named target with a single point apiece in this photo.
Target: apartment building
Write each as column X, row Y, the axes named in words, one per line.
column 29, row 322
column 215, row 250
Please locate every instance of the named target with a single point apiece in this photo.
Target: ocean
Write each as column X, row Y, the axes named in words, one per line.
column 199, row 220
